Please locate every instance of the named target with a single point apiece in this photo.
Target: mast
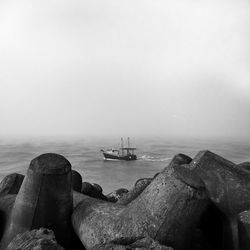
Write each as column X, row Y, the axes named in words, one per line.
column 128, row 143
column 122, row 145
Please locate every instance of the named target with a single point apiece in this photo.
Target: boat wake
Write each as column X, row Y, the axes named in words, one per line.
column 153, row 158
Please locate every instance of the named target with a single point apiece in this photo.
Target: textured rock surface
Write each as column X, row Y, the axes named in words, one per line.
column 11, row 184
column 6, row 204
column 42, row 239
column 157, row 213
column 227, row 185
column 44, row 200
column 117, row 194
column 244, row 230
column 140, row 185
column 144, row 243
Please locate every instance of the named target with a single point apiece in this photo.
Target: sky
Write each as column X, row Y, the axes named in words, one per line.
column 125, row 68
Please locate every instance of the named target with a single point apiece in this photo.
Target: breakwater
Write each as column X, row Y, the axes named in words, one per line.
column 193, row 203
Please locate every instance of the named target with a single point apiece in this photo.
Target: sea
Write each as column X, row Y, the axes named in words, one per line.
column 154, row 154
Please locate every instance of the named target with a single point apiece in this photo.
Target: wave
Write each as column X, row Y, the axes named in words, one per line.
column 153, row 158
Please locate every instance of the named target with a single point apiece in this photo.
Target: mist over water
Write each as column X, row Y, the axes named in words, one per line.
column 154, row 153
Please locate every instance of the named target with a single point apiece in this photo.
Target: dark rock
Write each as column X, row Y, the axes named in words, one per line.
column 97, row 187
column 11, row 184
column 117, row 194
column 92, row 191
column 44, row 200
column 76, row 181
column 42, row 239
column 167, row 211
column 244, row 230
column 6, row 204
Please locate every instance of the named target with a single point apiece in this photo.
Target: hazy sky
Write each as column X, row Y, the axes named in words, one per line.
column 95, row 67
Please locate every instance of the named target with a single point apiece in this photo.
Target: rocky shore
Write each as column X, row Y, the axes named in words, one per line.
column 192, row 204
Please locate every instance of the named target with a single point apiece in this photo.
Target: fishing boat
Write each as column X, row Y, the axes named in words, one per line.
column 124, row 153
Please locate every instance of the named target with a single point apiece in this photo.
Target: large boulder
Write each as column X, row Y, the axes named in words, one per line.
column 44, row 200
column 227, row 186
column 156, row 212
column 11, row 184
column 41, row 239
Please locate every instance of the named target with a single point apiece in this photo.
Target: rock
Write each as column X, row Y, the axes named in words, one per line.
column 117, row 194
column 244, row 230
column 92, row 191
column 44, row 200
column 168, row 211
column 148, row 243
column 76, row 181
column 79, row 197
column 143, row 181
column 227, row 186
column 97, row 187
column 109, row 246
column 244, row 165
column 11, row 184
column 6, row 204
column 42, row 239
column 140, row 185
column 143, row 243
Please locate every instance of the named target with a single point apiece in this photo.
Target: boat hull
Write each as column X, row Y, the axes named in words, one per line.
column 117, row 157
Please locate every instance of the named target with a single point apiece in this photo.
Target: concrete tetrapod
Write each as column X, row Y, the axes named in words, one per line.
column 11, row 184
column 167, row 211
column 227, row 185
column 44, row 200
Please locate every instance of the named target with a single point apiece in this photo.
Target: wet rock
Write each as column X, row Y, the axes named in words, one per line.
column 44, row 200
column 11, row 184
column 42, row 239
column 76, row 181
column 140, row 185
column 92, row 191
column 156, row 212
column 117, row 194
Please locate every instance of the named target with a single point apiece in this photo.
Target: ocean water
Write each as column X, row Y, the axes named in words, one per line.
column 154, row 154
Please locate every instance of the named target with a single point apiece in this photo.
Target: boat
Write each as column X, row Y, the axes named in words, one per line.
column 124, row 153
